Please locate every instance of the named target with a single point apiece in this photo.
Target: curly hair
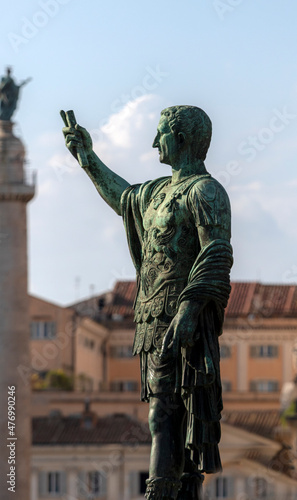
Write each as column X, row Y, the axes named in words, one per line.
column 194, row 123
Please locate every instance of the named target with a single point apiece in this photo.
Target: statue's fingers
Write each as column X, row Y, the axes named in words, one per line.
column 68, row 130
column 74, row 137
column 72, row 141
column 73, row 144
column 83, row 131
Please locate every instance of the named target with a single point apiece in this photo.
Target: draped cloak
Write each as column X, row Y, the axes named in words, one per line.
column 197, row 372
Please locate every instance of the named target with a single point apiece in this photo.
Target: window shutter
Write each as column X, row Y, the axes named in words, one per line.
column 42, row 483
column 52, row 329
column 134, row 484
column 248, row 486
column 32, row 330
column 270, row 492
column 254, row 351
column 63, row 482
column 253, row 386
column 103, row 485
column 230, row 487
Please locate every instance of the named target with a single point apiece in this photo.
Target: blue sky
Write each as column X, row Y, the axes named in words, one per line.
column 118, row 64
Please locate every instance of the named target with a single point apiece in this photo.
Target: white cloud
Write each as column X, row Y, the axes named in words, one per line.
column 121, row 127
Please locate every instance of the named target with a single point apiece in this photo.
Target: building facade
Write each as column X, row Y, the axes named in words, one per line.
column 75, row 453
column 85, row 456
column 92, row 342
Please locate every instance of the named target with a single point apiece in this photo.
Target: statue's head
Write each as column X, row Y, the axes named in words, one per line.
column 190, row 126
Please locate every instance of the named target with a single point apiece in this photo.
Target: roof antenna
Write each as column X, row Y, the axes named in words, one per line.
column 77, row 287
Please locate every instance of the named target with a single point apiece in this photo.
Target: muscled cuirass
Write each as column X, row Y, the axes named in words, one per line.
column 169, row 249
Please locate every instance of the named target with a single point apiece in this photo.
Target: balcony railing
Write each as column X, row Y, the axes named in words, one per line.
column 17, row 176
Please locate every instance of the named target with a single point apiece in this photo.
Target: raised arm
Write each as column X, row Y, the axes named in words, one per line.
column 109, row 185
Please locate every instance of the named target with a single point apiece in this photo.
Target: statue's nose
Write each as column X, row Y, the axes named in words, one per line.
column 156, row 142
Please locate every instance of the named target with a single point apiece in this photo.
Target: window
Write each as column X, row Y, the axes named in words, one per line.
column 258, row 488
column 121, row 351
column 225, row 351
column 220, row 488
column 84, row 383
column 52, row 483
column 264, row 351
column 43, row 330
column 264, row 386
column 138, row 483
column 226, row 385
column 143, row 476
column 88, row 343
column 223, row 487
column 92, row 484
column 101, row 303
column 124, row 386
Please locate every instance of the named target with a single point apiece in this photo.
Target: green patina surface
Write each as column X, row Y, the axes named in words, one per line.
column 178, row 232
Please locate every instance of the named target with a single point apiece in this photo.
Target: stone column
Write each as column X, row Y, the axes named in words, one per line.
column 15, row 192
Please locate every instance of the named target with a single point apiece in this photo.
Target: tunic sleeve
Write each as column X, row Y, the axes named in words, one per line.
column 209, row 204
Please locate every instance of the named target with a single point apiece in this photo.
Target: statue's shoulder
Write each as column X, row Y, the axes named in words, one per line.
column 209, row 189
column 209, row 201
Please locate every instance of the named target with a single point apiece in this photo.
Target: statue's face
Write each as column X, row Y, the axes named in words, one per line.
column 165, row 141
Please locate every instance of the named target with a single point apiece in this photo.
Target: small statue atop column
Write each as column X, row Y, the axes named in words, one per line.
column 9, row 95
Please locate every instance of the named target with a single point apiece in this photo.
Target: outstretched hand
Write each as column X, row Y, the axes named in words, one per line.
column 77, row 137
column 182, row 331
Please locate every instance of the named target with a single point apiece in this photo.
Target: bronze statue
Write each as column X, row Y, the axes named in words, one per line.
column 178, row 231
column 9, row 94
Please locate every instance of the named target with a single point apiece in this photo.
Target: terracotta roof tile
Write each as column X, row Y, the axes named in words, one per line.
column 247, row 298
column 258, row 422
column 71, row 430
column 121, row 428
